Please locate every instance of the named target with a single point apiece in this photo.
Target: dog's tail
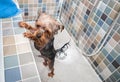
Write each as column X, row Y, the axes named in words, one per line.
column 63, row 48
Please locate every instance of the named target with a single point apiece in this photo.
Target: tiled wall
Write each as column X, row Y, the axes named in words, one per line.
column 107, row 62
column 31, row 7
column 17, row 53
column 89, row 22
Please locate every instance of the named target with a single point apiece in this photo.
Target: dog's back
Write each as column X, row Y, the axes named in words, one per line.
column 48, row 51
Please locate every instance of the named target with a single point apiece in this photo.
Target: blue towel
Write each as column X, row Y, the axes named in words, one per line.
column 8, row 9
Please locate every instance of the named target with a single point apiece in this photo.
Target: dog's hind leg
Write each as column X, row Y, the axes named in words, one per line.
column 51, row 67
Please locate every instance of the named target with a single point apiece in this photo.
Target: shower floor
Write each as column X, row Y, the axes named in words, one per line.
column 71, row 68
column 22, row 64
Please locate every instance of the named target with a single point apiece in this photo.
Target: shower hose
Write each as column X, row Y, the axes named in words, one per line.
column 104, row 41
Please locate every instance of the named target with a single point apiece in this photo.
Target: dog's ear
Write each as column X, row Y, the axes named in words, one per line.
column 61, row 27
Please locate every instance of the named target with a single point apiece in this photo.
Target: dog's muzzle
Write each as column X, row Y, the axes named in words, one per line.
column 38, row 35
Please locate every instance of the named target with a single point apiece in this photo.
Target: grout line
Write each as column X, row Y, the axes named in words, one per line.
column 16, row 43
column 35, row 62
column 25, row 64
column 3, row 78
column 33, row 56
column 9, row 55
column 28, row 78
column 11, row 67
column 20, row 70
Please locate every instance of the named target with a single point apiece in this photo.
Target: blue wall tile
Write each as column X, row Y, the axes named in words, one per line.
column 109, row 21
column 96, row 18
column 118, row 60
column 104, row 51
column 107, row 10
column 99, row 13
column 109, row 57
column 100, row 22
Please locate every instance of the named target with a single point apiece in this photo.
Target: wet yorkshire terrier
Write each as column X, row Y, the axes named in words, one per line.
column 43, row 36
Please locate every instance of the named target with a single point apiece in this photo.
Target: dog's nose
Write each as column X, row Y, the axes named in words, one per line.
column 38, row 35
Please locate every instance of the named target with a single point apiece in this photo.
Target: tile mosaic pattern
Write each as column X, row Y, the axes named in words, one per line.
column 18, row 56
column 31, row 7
column 88, row 21
column 88, row 18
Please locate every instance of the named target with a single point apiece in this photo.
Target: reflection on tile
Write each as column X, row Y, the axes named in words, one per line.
column 12, row 75
column 23, row 48
column 19, row 38
column 8, row 40
column 9, row 50
column 26, row 71
column 25, row 58
column 11, row 61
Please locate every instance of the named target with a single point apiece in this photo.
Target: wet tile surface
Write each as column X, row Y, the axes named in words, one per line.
column 25, row 58
column 26, row 71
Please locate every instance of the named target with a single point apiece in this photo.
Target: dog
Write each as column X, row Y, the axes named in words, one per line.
column 43, row 37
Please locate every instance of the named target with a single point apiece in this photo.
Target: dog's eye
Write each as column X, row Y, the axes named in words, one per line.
column 38, row 26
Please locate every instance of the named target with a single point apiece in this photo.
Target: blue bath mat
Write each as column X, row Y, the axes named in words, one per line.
column 8, row 9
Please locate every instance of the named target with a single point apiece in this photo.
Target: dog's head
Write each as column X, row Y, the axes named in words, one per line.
column 45, row 21
column 46, row 27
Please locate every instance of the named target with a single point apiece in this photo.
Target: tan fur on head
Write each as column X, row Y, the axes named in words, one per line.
column 43, row 20
column 45, row 29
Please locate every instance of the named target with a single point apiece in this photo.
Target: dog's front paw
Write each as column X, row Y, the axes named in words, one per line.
column 23, row 24
column 27, row 34
column 51, row 74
